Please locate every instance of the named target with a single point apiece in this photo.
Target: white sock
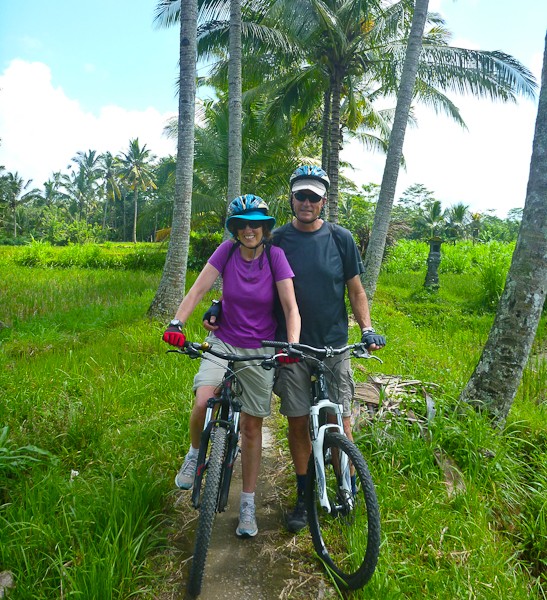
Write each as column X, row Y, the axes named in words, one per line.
column 193, row 452
column 247, row 497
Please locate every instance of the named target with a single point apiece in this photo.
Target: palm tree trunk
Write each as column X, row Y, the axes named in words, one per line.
column 172, row 285
column 136, row 201
column 334, row 147
column 377, row 242
column 234, row 102
column 325, row 149
column 496, row 378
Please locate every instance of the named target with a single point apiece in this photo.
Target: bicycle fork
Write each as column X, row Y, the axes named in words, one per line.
column 318, row 439
column 231, row 423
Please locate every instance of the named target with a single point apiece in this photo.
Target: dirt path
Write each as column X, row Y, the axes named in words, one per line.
column 273, row 565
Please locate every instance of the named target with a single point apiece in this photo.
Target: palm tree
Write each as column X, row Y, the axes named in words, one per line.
column 377, row 244
column 264, row 165
column 136, row 170
column 431, row 219
column 172, row 285
column 110, row 168
column 84, row 183
column 494, row 383
column 458, row 219
column 14, row 191
column 346, row 55
column 234, row 102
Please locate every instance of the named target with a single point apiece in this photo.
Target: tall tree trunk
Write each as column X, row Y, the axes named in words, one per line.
column 234, row 103
column 377, row 242
column 325, row 149
column 135, row 209
column 172, row 285
column 334, row 147
column 496, row 378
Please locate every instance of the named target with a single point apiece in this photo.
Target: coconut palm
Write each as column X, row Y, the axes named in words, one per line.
column 172, row 285
column 405, row 93
column 15, row 194
column 234, row 102
column 431, row 219
column 264, row 165
column 336, row 52
column 137, row 172
column 110, row 168
column 82, row 184
column 496, row 378
column 458, row 220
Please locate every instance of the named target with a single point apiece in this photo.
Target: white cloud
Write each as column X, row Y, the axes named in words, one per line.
column 485, row 167
column 42, row 129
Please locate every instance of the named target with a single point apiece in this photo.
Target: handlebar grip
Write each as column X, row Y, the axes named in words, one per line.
column 274, row 344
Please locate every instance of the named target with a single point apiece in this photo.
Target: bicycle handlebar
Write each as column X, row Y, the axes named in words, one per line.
column 196, row 349
column 303, row 350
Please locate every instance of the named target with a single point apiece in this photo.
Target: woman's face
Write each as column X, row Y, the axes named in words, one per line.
column 249, row 233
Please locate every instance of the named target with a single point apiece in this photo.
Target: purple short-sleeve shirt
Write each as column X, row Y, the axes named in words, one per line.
column 248, row 294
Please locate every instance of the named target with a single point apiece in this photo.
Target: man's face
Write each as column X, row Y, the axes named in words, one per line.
column 307, row 205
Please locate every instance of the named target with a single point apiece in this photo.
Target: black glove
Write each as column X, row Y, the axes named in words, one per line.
column 213, row 311
column 369, row 337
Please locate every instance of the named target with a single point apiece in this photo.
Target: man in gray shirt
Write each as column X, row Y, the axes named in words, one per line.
column 325, row 261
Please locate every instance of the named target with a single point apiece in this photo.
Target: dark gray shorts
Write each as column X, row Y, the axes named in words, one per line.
column 292, row 385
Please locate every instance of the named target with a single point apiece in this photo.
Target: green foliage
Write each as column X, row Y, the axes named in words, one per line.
column 15, row 461
column 488, row 265
column 201, row 248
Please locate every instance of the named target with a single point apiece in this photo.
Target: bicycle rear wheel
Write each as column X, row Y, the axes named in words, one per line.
column 348, row 538
column 207, row 510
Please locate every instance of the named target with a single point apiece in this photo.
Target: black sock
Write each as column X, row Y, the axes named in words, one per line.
column 300, row 485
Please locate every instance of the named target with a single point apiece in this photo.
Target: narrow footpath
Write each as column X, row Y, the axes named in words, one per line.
column 274, row 565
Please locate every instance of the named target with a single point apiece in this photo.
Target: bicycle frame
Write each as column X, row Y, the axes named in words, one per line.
column 320, row 409
column 222, row 411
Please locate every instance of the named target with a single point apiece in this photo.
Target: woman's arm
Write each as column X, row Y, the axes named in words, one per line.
column 202, row 285
column 285, row 289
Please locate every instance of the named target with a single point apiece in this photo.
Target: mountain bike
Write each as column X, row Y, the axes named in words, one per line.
column 343, row 514
column 218, row 450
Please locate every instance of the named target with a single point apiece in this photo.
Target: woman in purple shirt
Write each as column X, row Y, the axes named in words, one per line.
column 251, row 278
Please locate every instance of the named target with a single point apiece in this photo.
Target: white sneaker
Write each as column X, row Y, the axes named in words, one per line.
column 185, row 477
column 247, row 526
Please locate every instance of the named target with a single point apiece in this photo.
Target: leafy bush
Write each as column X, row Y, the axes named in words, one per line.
column 201, row 248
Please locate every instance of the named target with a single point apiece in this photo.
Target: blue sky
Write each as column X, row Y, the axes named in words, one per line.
column 76, row 76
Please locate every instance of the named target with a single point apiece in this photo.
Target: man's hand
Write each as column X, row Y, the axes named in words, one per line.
column 173, row 336
column 371, row 339
column 212, row 315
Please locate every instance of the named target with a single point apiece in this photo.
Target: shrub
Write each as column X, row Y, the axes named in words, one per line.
column 201, row 248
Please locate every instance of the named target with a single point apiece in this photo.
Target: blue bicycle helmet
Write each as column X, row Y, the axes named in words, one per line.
column 309, row 177
column 248, row 207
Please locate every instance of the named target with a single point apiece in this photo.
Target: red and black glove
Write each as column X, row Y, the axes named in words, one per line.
column 290, row 358
column 173, row 334
column 284, row 359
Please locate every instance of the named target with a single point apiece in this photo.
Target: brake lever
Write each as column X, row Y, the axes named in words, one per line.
column 361, row 352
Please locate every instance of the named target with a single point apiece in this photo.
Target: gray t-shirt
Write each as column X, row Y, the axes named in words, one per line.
column 321, row 270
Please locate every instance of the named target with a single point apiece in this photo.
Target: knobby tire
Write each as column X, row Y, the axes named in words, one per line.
column 207, row 511
column 347, row 542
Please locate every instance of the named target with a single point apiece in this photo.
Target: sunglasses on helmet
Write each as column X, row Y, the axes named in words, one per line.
column 311, row 196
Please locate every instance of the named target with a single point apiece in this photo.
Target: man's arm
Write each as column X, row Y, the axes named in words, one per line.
column 359, row 302
column 359, row 305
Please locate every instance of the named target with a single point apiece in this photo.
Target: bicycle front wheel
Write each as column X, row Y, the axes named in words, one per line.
column 347, row 539
column 207, row 510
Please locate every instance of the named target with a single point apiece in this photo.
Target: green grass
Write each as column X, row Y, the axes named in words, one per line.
column 87, row 387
